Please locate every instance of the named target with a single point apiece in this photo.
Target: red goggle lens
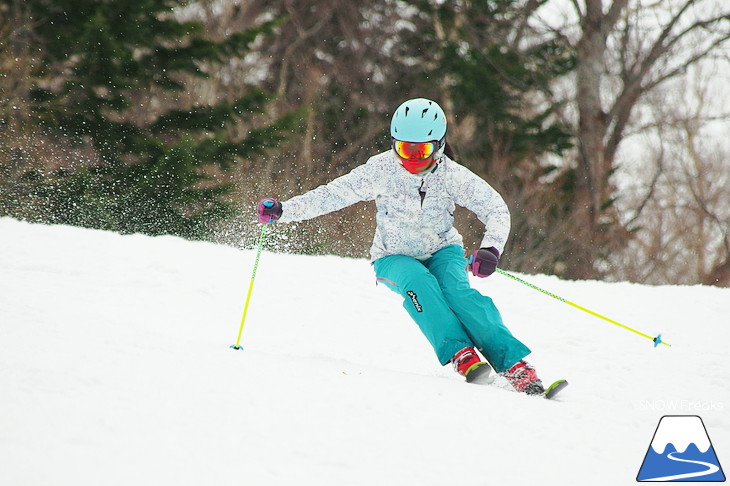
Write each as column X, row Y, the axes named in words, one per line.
column 414, row 150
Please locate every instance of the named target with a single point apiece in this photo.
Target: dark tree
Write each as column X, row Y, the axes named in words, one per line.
column 107, row 85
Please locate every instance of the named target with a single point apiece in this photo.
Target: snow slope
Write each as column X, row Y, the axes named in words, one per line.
column 115, row 369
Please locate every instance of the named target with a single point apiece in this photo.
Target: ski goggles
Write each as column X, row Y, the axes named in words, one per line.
column 414, row 150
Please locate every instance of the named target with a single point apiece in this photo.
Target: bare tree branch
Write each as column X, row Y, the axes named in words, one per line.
column 689, row 62
column 652, row 190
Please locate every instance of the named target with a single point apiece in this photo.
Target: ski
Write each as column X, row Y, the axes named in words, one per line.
column 480, row 373
column 554, row 389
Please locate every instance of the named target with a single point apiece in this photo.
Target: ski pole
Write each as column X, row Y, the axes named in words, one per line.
column 657, row 340
column 250, row 287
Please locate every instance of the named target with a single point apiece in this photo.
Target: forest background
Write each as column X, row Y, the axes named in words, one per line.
column 602, row 122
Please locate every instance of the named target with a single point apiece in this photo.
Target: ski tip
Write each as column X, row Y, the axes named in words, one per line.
column 555, row 388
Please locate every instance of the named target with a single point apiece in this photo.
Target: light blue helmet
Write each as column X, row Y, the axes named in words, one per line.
column 418, row 120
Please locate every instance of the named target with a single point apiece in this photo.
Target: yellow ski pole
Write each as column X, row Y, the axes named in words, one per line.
column 656, row 340
column 250, row 287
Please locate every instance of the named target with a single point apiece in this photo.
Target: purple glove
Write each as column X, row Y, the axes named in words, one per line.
column 484, row 261
column 269, row 210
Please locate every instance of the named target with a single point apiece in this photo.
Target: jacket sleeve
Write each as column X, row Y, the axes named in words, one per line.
column 341, row 192
column 476, row 195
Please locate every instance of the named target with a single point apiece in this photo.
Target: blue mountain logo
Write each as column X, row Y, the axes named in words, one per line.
column 681, row 451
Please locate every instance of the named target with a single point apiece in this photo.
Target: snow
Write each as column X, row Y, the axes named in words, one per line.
column 115, row 369
column 680, row 431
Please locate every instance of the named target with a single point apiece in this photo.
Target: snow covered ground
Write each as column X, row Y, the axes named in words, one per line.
column 115, row 369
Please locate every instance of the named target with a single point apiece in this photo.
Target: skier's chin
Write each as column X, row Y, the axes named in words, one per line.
column 421, row 168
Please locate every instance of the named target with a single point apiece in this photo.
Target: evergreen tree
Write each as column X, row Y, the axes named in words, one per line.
column 104, row 68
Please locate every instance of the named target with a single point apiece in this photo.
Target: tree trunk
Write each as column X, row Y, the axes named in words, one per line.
column 593, row 167
column 595, row 217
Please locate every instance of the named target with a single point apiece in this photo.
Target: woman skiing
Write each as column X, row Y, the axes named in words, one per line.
column 416, row 250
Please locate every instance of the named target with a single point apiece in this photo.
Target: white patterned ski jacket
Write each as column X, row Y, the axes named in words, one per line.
column 415, row 213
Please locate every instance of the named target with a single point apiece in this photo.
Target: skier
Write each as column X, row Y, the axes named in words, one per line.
column 418, row 253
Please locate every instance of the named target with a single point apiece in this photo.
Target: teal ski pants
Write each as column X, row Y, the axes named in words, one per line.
column 452, row 315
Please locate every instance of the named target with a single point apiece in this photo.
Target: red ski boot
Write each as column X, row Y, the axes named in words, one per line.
column 524, row 378
column 468, row 364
